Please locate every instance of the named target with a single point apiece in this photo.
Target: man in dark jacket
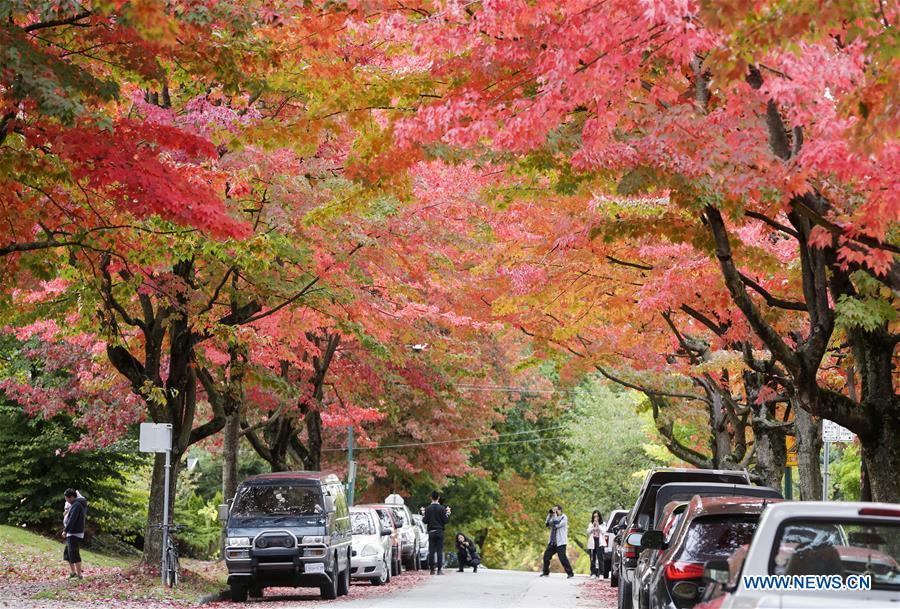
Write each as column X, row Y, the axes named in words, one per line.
column 74, row 530
column 436, row 517
column 467, row 553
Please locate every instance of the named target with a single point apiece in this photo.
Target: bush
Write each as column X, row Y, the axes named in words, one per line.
column 37, row 467
column 202, row 537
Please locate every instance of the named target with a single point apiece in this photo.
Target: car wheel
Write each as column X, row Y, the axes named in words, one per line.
column 417, row 560
column 614, row 579
column 384, row 576
column 238, row 593
column 624, row 596
column 344, row 579
column 329, row 590
column 256, row 592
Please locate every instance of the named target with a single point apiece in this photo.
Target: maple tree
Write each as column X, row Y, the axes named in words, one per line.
column 246, row 232
column 743, row 116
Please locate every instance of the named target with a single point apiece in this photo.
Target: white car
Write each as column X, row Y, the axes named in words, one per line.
column 370, row 557
column 423, row 548
column 837, row 543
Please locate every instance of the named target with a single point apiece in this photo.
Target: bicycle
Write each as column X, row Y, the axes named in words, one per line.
column 170, row 565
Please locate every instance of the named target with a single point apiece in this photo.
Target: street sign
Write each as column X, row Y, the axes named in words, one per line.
column 832, row 432
column 156, row 437
column 791, row 443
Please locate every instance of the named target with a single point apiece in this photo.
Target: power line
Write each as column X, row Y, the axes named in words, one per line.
column 479, row 439
column 507, row 389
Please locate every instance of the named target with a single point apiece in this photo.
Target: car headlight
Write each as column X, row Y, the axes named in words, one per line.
column 314, row 539
column 370, row 550
column 237, row 542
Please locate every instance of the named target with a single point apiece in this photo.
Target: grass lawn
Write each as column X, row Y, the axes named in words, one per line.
column 31, row 567
column 38, row 547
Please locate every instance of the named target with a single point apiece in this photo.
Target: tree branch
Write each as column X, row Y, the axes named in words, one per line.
column 772, row 301
column 57, row 22
column 666, row 431
column 739, row 294
column 647, row 390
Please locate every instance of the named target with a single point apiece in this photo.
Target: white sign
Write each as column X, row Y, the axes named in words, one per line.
column 156, row 437
column 832, row 432
column 394, row 499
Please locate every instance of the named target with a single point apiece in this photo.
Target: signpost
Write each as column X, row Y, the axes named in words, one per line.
column 351, row 466
column 831, row 432
column 157, row 438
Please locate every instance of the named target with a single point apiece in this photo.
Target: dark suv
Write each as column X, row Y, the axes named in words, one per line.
column 641, row 518
column 290, row 529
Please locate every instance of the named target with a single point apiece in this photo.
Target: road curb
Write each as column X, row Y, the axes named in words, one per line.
column 214, row 597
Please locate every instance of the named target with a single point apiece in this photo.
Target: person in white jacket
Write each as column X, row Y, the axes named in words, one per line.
column 596, row 534
column 558, row 523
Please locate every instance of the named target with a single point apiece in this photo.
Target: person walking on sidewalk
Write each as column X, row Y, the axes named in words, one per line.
column 558, row 523
column 436, row 517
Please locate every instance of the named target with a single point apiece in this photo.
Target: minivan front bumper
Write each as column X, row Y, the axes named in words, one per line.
column 305, row 564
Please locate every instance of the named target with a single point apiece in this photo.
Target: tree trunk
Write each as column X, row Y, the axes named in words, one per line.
column 771, row 455
column 873, row 352
column 882, row 460
column 312, row 460
column 230, row 452
column 808, row 434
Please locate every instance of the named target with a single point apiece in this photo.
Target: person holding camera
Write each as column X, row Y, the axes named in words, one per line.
column 436, row 517
column 467, row 553
column 558, row 523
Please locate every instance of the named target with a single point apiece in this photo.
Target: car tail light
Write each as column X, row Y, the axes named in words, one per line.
column 630, row 551
column 678, row 570
column 872, row 511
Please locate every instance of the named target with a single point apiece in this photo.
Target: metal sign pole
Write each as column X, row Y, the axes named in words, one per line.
column 165, row 527
column 157, row 438
column 351, row 471
column 827, row 458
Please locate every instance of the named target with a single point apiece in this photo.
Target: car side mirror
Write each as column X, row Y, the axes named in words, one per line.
column 716, row 571
column 634, row 539
column 224, row 510
column 329, row 504
column 653, row 540
column 386, row 531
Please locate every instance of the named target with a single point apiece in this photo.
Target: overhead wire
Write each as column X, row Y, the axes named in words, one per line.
column 455, row 441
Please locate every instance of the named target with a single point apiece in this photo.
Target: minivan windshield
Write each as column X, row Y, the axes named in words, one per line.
column 256, row 501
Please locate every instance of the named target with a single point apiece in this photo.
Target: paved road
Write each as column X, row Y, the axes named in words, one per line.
column 493, row 589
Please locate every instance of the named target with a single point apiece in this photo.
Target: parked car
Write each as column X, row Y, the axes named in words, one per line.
column 423, row 535
column 372, row 550
column 814, row 538
column 711, row 528
column 389, row 521
column 685, row 491
column 678, row 494
column 649, row 558
column 410, row 535
column 641, row 515
column 615, row 520
column 289, row 529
